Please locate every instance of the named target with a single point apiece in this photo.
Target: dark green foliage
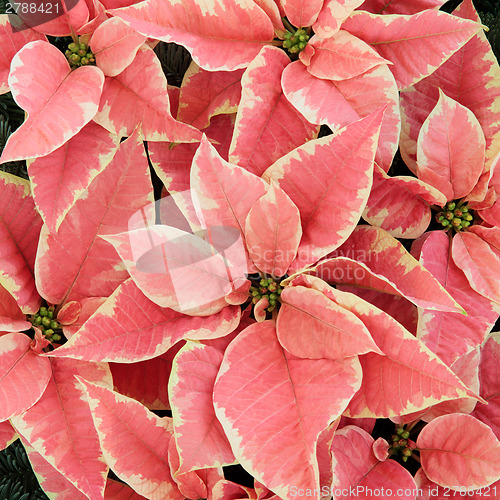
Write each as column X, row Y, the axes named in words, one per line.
column 17, row 480
column 175, row 61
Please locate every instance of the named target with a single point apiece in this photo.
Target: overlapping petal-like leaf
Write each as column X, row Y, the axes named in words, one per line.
column 14, row 34
column 337, row 104
column 272, row 241
column 407, row 214
column 124, row 424
column 312, row 326
column 58, row 179
column 339, row 57
column 139, row 95
column 355, row 468
column 92, row 268
column 458, row 449
column 261, row 388
column 59, row 426
column 471, row 77
column 129, row 327
column 20, row 362
column 385, row 265
column 115, row 45
column 58, row 106
column 20, row 226
column 220, row 34
column 267, row 125
column 325, row 176
column 450, row 334
column 51, row 480
column 444, row 159
column 205, row 94
column 490, row 385
column 200, row 439
column 480, row 262
column 409, row 41
column 399, row 6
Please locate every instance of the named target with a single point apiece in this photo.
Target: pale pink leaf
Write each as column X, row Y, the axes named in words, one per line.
column 357, row 472
column 301, row 13
column 51, row 481
column 386, row 266
column 124, row 424
column 115, row 45
column 432, row 491
column 205, row 94
column 458, row 449
column 480, row 262
column 164, row 262
column 212, row 31
column 262, row 132
column 450, row 334
column 260, row 388
column 7, row 435
column 444, row 159
column 139, row 95
column 273, row 232
column 199, row 436
column 329, row 175
column 58, row 179
column 74, row 449
column 20, row 226
column 405, row 359
column 113, row 334
column 339, row 57
column 399, row 6
column 19, row 362
column 332, row 15
column 337, row 104
column 400, row 205
column 409, row 42
column 66, row 271
column 312, row 326
column 490, row 384
column 12, row 318
column 471, row 77
column 14, row 34
column 58, row 106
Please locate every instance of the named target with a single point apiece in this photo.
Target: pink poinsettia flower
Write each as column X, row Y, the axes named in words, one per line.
column 350, row 62
column 449, row 175
column 344, row 327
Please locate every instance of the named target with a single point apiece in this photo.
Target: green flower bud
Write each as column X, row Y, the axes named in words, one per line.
column 405, row 435
column 450, row 215
column 465, row 224
column 83, row 46
column 452, row 205
column 43, row 311
column 84, row 61
column 38, row 320
column 75, row 58
column 46, row 322
column 48, row 332
column 54, row 324
column 469, row 217
column 445, row 223
column 73, row 47
column 407, row 452
column 56, row 337
column 405, row 459
column 399, row 431
column 50, row 314
column 456, row 222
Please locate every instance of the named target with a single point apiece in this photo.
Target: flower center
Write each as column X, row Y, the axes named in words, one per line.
column 400, row 444
column 268, row 288
column 296, row 42
column 455, row 215
column 44, row 320
column 79, row 54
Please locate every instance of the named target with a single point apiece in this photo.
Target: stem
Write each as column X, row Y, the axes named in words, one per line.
column 287, row 25
column 415, row 457
column 276, row 43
